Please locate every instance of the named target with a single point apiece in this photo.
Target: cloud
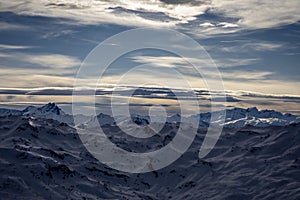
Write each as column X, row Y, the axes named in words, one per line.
column 207, row 24
column 234, row 71
column 227, row 99
column 4, row 47
column 31, row 79
column 180, row 1
column 227, row 25
column 263, row 86
column 56, row 34
column 52, row 60
column 216, row 26
column 4, row 26
column 178, row 62
column 233, row 62
column 247, row 46
column 91, row 12
column 59, row 70
column 271, row 96
column 150, row 96
column 36, row 70
column 162, row 61
column 237, row 15
column 259, row 14
column 15, row 60
column 245, row 75
column 264, row 46
column 146, row 92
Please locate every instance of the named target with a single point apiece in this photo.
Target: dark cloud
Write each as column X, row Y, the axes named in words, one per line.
column 66, row 5
column 150, row 92
column 227, row 99
column 192, row 2
column 270, row 96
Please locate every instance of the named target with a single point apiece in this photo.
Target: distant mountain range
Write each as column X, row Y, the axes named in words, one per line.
column 239, row 117
column 234, row 118
column 48, row 111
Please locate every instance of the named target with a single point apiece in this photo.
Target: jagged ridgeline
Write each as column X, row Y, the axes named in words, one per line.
column 42, row 157
column 234, row 118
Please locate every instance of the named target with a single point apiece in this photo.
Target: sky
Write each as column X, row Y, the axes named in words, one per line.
column 255, row 45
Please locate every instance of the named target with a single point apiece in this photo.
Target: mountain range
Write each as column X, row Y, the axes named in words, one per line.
column 234, row 118
column 43, row 158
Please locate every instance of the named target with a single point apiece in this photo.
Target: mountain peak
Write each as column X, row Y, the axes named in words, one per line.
column 47, row 108
column 252, row 109
column 140, row 120
column 51, row 107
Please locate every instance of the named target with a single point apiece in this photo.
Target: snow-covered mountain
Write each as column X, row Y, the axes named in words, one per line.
column 45, row 159
column 101, row 119
column 239, row 117
column 47, row 111
column 234, row 118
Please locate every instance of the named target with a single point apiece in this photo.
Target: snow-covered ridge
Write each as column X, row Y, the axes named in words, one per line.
column 47, row 111
column 234, row 118
column 240, row 117
column 45, row 159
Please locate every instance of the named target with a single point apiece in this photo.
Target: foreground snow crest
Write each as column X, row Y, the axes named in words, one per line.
column 45, row 159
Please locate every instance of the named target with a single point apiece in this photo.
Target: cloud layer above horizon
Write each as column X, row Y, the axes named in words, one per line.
column 255, row 44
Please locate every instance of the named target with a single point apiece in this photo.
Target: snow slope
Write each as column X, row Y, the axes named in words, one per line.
column 45, row 159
